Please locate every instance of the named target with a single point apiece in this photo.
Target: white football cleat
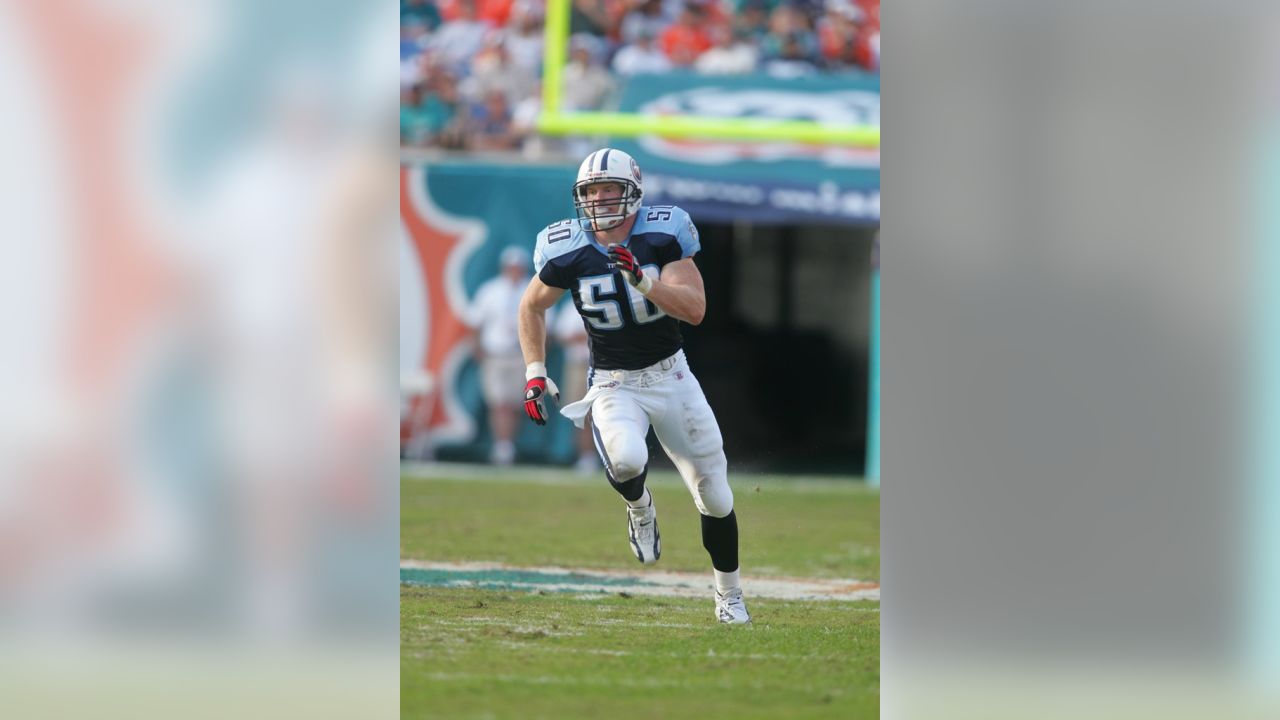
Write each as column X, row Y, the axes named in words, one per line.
column 731, row 609
column 642, row 529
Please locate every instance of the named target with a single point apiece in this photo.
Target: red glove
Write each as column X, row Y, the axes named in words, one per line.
column 534, row 392
column 625, row 262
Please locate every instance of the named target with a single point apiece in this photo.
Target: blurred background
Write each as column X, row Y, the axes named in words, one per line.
column 787, row 229
column 198, row 490
column 198, row 313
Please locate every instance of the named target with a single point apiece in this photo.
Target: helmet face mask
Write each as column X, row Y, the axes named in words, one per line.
column 608, row 210
column 605, row 211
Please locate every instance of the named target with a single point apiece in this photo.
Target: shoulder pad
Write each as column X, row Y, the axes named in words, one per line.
column 557, row 239
column 670, row 220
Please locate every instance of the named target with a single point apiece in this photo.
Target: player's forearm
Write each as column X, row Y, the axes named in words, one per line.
column 683, row 303
column 533, row 334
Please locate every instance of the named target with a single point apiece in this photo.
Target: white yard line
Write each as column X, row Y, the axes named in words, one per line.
column 583, row 680
column 648, row 583
column 413, row 471
column 710, row 653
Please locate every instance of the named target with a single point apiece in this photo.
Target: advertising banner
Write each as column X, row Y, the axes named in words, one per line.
column 761, row 182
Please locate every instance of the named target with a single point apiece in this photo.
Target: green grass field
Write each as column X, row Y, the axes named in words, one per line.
column 480, row 653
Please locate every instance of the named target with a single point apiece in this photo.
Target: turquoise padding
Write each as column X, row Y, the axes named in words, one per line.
column 873, row 387
column 1262, row 619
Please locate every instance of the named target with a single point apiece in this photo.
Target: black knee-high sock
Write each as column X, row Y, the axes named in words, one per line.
column 632, row 489
column 720, row 538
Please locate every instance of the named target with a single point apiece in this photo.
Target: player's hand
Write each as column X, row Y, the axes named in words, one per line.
column 535, row 392
column 623, row 260
column 630, row 269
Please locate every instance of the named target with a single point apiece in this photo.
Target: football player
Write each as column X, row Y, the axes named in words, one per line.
column 631, row 273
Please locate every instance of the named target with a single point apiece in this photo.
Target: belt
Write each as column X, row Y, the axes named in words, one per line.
column 606, row 380
column 624, row 375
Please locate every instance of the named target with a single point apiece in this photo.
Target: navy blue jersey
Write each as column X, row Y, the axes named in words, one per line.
column 625, row 331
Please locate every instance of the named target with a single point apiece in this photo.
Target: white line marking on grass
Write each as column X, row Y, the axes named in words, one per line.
column 641, row 623
column 552, row 680
column 414, row 472
column 587, row 680
column 645, row 582
column 515, row 626
column 711, row 653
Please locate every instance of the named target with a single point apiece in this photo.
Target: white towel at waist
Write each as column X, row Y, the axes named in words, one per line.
column 607, row 380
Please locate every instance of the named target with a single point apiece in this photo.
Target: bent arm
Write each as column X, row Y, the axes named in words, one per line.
column 538, row 298
column 679, row 292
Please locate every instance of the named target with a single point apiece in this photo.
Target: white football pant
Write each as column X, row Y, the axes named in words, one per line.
column 624, row 403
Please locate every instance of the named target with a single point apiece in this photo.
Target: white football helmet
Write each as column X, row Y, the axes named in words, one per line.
column 607, row 165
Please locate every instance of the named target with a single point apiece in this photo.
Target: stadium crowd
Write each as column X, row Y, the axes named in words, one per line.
column 470, row 69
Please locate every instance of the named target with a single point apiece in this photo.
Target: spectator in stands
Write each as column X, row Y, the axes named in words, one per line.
column 428, row 112
column 415, row 37
column 871, row 13
column 642, row 56
column 488, row 127
column 524, row 124
column 847, row 38
column 738, row 7
column 593, row 17
column 419, row 12
column 685, row 40
column 524, row 36
column 460, row 38
column 790, row 48
column 712, row 11
column 418, row 125
column 651, row 16
column 785, row 19
column 493, row 13
column 491, row 69
column 751, row 21
column 410, row 61
column 837, row 32
column 810, row 10
column 586, row 82
column 872, row 45
column 730, row 55
column 867, row 46
column 412, row 127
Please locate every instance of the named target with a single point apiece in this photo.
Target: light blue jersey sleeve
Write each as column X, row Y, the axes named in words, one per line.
column 672, row 221
column 540, row 251
column 687, row 233
column 555, row 240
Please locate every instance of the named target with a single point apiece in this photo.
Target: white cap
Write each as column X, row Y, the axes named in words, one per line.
column 514, row 255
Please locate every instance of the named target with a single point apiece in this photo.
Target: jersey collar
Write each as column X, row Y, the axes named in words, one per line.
column 604, row 249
